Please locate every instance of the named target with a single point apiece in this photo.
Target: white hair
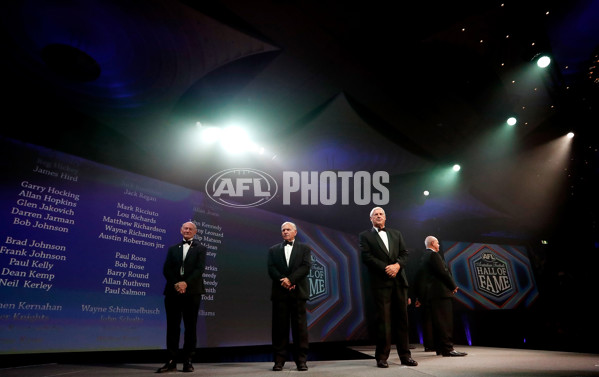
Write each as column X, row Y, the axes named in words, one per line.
column 290, row 223
column 374, row 209
column 189, row 222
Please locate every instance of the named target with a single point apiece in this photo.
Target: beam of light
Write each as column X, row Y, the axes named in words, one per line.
column 498, row 142
column 442, row 181
column 528, row 186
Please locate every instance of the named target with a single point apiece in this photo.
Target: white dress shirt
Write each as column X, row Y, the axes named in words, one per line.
column 383, row 236
column 288, row 253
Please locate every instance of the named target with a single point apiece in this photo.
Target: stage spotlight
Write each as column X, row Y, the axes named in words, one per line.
column 543, row 61
column 209, row 135
column 570, row 135
column 426, row 193
column 235, row 140
column 232, row 139
column 511, row 121
column 456, row 167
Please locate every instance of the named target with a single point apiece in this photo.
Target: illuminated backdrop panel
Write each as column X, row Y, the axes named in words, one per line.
column 82, row 247
column 491, row 276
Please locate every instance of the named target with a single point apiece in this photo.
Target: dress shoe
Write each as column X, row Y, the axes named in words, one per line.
column 454, row 353
column 170, row 366
column 302, row 367
column 187, row 367
column 278, row 367
column 409, row 362
column 382, row 364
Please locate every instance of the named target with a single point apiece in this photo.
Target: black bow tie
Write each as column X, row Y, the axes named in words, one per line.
column 187, row 242
column 290, row 243
column 382, row 230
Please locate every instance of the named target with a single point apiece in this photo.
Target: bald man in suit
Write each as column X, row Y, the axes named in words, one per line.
column 289, row 264
column 436, row 290
column 385, row 255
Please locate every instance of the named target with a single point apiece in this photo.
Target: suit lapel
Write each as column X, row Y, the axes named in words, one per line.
column 392, row 249
column 293, row 253
column 180, row 254
column 190, row 251
column 380, row 241
column 282, row 260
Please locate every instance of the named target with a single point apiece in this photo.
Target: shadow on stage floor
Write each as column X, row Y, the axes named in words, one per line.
column 325, row 360
column 318, row 352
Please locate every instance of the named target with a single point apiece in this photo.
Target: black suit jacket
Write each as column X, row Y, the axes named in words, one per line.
column 376, row 257
column 435, row 280
column 297, row 272
column 194, row 267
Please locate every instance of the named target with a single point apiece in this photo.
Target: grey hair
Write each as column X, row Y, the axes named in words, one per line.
column 189, row 222
column 375, row 208
column 290, row 223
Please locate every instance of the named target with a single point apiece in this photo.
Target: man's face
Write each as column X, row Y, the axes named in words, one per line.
column 378, row 218
column 188, row 230
column 435, row 245
column 288, row 232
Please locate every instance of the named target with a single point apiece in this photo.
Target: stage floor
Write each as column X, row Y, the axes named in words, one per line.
column 481, row 361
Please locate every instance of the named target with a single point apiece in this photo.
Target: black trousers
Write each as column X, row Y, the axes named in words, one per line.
column 428, row 340
column 391, row 321
column 186, row 308
column 441, row 315
column 286, row 314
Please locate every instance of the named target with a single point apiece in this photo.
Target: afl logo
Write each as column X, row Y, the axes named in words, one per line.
column 240, row 188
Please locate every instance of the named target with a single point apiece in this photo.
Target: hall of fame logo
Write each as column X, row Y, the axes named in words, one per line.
column 318, row 278
column 492, row 275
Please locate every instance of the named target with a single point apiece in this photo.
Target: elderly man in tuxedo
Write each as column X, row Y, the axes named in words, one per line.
column 436, row 289
column 289, row 263
column 385, row 255
column 183, row 268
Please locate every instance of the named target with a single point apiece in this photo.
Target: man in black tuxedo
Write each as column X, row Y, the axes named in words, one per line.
column 436, row 289
column 289, row 263
column 385, row 255
column 183, row 268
